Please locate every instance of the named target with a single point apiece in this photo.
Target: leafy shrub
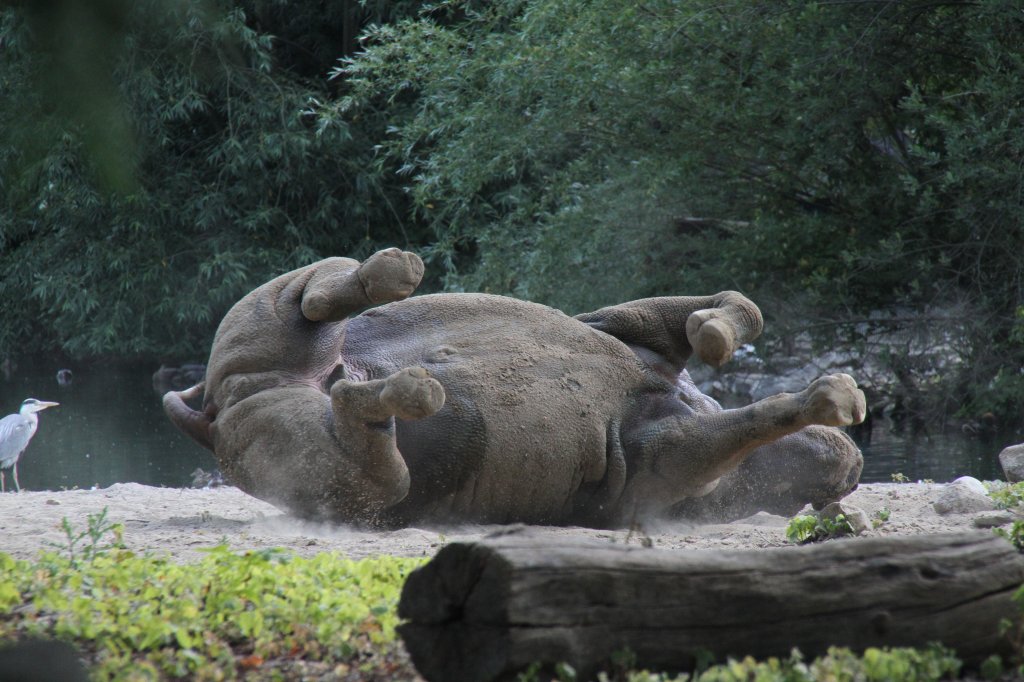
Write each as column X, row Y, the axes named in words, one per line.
column 813, row 528
column 1015, row 535
column 1007, row 496
column 679, row 147
column 142, row 616
column 161, row 159
column 838, row 665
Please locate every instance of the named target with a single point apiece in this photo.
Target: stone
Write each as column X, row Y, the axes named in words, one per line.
column 855, row 516
column 972, row 484
column 764, row 519
column 1012, row 461
column 962, row 496
column 993, row 519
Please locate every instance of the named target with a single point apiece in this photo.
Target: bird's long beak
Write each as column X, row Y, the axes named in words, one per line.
column 42, row 405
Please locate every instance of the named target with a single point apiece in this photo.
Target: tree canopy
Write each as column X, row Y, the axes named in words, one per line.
column 827, row 158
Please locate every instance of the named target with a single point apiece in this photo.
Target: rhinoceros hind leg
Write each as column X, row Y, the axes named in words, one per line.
column 816, row 465
column 409, row 393
column 683, row 455
column 674, row 327
column 833, row 400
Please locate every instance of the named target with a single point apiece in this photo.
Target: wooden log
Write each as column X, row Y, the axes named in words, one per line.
column 487, row 610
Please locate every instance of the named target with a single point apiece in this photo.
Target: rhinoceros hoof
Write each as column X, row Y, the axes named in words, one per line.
column 390, row 275
column 712, row 338
column 412, row 394
column 833, row 400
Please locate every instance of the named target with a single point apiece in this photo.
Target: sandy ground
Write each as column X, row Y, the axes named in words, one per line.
column 182, row 522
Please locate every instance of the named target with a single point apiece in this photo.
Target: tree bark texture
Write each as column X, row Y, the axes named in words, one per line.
column 487, row 610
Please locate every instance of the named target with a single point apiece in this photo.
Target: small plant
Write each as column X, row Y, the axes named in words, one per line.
column 881, row 516
column 1007, row 496
column 899, row 477
column 809, row 528
column 1015, row 535
column 90, row 543
column 992, row 668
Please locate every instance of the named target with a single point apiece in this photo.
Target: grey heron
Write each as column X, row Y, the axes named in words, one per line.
column 16, row 430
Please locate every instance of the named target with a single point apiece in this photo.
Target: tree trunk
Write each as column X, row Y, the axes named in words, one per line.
column 487, row 610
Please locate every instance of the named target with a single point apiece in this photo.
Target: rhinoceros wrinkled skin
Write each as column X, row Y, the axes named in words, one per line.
column 478, row 408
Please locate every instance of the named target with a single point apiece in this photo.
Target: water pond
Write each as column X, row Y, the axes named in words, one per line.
column 110, row 428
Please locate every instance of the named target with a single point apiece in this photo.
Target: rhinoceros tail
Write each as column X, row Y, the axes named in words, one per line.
column 193, row 423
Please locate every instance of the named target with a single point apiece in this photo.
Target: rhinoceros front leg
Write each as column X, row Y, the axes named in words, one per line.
column 673, row 327
column 276, row 426
column 320, row 456
column 364, row 418
column 684, row 455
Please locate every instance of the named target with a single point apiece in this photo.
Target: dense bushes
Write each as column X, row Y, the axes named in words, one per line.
column 827, row 158
column 141, row 206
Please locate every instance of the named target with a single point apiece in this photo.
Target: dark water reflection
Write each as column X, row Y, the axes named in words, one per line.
column 940, row 456
column 110, row 428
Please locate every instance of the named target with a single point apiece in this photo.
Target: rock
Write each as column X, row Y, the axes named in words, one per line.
column 764, row 519
column 1012, row 461
column 177, row 378
column 965, row 495
column 993, row 519
column 207, row 479
column 855, row 516
column 972, row 484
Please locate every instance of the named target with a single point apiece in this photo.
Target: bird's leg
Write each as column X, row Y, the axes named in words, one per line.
column 17, row 485
column 3, row 488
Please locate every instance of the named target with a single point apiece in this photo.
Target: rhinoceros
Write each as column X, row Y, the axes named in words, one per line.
column 469, row 407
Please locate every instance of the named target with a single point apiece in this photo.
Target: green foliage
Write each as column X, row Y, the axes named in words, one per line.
column 220, row 177
column 147, row 617
column 1006, row 495
column 881, row 516
column 812, row 528
column 169, row 156
column 1011, row 629
column 1015, row 535
column 899, row 664
column 838, row 665
column 664, row 147
column 94, row 537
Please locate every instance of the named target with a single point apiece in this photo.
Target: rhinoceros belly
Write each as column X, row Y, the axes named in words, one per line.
column 533, row 402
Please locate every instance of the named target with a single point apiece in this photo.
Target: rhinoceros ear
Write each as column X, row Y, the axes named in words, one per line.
column 191, row 422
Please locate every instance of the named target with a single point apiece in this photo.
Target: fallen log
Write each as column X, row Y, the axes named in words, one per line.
column 487, row 610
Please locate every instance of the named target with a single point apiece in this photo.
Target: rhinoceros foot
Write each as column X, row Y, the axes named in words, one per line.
column 390, row 275
column 714, row 339
column 412, row 394
column 833, row 400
